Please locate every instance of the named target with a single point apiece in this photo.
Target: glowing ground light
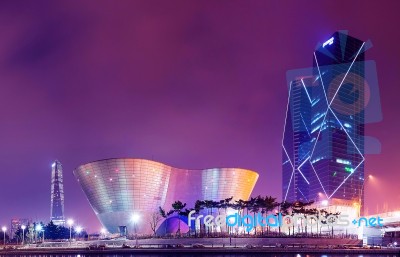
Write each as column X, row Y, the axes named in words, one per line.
column 135, row 217
column 70, row 222
column 78, row 229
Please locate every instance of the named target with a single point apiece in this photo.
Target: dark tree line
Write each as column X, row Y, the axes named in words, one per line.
column 49, row 231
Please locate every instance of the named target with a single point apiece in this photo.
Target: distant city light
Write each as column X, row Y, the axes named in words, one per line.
column 78, row 229
column 23, row 227
column 70, row 222
column 324, row 202
column 347, row 125
column 4, row 228
column 349, row 169
column 103, row 230
column 343, row 161
column 135, row 217
column 53, row 165
column 328, row 42
column 38, row 227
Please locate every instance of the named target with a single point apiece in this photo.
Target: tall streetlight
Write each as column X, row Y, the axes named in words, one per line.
column 78, row 230
column 39, row 228
column 361, row 195
column 135, row 219
column 70, row 222
column 4, row 228
column 103, row 231
column 23, row 227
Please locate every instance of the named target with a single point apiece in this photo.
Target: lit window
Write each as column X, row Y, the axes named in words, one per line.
column 343, row 161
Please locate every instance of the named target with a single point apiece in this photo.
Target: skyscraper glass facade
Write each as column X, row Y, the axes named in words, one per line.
column 323, row 143
column 57, row 194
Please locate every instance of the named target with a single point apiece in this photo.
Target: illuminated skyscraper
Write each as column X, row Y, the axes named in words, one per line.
column 323, row 142
column 16, row 223
column 296, row 144
column 57, row 194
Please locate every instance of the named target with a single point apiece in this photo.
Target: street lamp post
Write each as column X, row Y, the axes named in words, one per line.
column 4, row 228
column 135, row 219
column 70, row 222
column 361, row 195
column 38, row 229
column 78, row 230
column 103, row 232
column 23, row 227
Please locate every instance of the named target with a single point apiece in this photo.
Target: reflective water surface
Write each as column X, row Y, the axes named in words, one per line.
column 200, row 254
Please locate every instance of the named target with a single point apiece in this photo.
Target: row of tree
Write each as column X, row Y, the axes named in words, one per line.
column 38, row 231
column 265, row 205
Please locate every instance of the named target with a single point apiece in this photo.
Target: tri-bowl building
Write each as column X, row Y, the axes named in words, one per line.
column 118, row 189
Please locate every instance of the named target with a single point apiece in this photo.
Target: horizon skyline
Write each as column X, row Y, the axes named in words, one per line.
column 191, row 84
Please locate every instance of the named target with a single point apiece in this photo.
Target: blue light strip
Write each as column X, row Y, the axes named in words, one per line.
column 302, row 172
column 318, row 179
column 320, row 76
column 351, row 65
column 319, row 132
column 290, row 181
column 284, row 130
column 305, row 89
column 305, row 125
column 329, row 109
column 302, row 194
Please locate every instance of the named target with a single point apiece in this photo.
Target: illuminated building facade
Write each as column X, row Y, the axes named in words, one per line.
column 323, row 141
column 57, row 194
column 16, row 224
column 296, row 144
column 119, row 189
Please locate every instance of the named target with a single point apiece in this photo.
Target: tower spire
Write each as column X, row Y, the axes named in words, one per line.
column 57, row 194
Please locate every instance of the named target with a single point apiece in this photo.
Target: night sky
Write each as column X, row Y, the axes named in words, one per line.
column 193, row 84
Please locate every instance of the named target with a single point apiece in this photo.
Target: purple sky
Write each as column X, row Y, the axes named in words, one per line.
column 194, row 84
